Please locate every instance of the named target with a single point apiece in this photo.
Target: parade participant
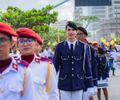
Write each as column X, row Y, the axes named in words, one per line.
column 14, row 51
column 43, row 72
column 111, row 52
column 15, row 80
column 82, row 36
column 117, row 47
column 103, row 73
column 95, row 45
column 72, row 64
column 38, row 46
column 47, row 53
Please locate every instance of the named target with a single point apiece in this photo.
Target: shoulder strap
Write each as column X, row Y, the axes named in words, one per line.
column 90, row 52
column 84, row 57
column 48, row 77
column 24, row 81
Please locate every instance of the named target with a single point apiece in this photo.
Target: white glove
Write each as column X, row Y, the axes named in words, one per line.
column 91, row 91
column 107, row 79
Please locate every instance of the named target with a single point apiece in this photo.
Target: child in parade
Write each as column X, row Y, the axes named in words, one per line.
column 82, row 36
column 43, row 72
column 103, row 73
column 71, row 60
column 15, row 81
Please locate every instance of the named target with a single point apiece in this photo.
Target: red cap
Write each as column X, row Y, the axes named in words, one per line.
column 26, row 32
column 5, row 28
column 39, row 39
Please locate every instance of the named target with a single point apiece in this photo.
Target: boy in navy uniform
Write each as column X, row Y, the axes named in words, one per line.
column 71, row 60
column 82, row 36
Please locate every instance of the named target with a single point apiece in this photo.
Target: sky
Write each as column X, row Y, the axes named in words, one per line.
column 65, row 11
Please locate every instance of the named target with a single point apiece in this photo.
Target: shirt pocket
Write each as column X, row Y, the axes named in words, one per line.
column 62, row 77
column 64, row 57
column 80, row 77
column 77, row 58
column 14, row 90
column 39, row 84
column 38, row 80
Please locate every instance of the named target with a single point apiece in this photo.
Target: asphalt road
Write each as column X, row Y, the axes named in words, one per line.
column 114, row 87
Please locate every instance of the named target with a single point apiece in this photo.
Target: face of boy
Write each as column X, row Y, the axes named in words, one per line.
column 80, row 35
column 5, row 45
column 71, row 33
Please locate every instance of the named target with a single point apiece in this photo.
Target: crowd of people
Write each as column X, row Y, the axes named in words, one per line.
column 76, row 69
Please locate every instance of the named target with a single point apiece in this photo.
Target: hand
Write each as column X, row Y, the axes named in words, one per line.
column 91, row 91
column 107, row 79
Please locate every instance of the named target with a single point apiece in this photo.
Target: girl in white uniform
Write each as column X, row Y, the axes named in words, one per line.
column 15, row 81
column 43, row 72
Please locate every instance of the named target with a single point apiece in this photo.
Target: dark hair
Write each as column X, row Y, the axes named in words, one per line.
column 83, row 30
column 71, row 24
column 101, row 51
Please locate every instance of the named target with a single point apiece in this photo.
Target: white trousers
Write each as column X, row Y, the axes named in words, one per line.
column 85, row 96
column 69, row 95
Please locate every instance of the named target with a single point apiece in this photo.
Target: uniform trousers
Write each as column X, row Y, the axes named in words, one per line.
column 71, row 95
column 85, row 96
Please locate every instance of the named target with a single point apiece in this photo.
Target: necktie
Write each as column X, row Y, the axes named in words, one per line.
column 71, row 48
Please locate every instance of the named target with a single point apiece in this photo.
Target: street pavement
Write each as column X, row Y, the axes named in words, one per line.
column 114, row 87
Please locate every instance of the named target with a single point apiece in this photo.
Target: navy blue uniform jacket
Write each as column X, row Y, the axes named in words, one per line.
column 72, row 73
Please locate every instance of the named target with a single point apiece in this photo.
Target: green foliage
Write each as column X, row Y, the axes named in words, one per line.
column 38, row 20
column 86, row 20
column 53, row 37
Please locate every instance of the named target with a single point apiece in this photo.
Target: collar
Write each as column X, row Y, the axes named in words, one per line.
column 69, row 43
column 36, row 59
column 12, row 67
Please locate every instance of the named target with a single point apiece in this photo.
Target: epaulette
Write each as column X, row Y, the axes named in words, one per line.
column 37, row 60
column 22, row 62
column 15, row 66
column 45, row 59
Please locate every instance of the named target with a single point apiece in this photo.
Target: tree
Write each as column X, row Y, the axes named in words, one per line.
column 53, row 37
column 38, row 20
column 86, row 20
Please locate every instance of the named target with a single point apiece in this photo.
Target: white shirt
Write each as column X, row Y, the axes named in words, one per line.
column 11, row 83
column 39, row 71
column 69, row 43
